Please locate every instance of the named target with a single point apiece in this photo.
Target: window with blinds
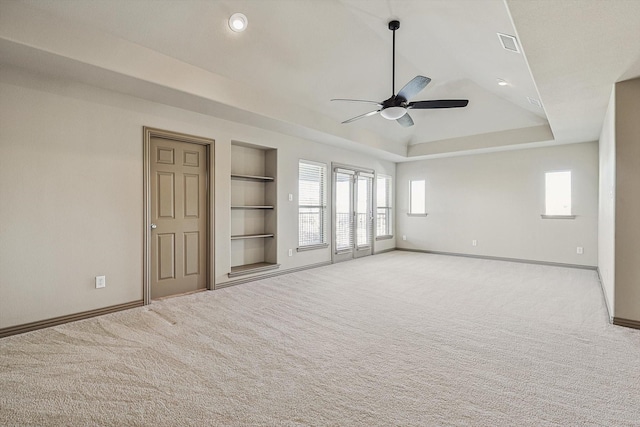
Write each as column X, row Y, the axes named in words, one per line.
column 312, row 203
column 383, row 201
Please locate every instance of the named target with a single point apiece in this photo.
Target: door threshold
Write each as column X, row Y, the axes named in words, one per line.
column 179, row 295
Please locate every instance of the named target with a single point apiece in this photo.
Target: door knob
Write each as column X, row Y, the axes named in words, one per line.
column 153, row 226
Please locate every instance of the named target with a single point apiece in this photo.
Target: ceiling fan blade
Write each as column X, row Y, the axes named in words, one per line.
column 439, row 103
column 358, row 100
column 362, row 116
column 412, row 88
column 405, row 120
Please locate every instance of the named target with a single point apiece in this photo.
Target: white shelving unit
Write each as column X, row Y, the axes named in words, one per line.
column 253, row 209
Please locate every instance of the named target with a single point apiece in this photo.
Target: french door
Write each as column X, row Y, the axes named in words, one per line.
column 352, row 213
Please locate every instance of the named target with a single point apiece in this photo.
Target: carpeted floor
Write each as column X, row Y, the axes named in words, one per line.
column 398, row 339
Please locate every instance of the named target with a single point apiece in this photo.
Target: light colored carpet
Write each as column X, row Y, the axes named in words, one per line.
column 398, row 339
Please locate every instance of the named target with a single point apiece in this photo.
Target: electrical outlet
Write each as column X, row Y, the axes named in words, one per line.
column 474, row 243
column 101, row 282
column 404, row 237
column 579, row 250
column 290, row 252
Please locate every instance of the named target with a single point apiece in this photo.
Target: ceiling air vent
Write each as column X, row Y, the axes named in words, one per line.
column 509, row 42
column 534, row 101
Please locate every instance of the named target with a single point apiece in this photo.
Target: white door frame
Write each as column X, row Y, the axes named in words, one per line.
column 149, row 133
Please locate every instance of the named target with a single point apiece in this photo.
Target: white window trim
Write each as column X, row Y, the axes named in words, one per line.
column 545, row 216
column 312, row 247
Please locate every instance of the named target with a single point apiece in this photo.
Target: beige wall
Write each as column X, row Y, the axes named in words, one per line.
column 606, row 205
column 71, row 193
column 290, row 151
column 497, row 199
column 627, row 200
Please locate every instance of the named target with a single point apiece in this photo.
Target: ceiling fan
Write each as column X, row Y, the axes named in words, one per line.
column 396, row 107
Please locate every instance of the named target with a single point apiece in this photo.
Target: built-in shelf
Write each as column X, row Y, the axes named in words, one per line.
column 252, row 177
column 253, row 230
column 251, row 236
column 252, row 207
column 258, row 267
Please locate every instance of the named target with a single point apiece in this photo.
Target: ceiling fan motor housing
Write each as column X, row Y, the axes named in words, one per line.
column 394, row 108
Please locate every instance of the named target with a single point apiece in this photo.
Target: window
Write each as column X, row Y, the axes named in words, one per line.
column 383, row 200
column 312, row 204
column 418, row 195
column 558, row 193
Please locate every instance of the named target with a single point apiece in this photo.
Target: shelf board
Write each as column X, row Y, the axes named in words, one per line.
column 253, row 207
column 240, row 270
column 252, row 177
column 250, row 236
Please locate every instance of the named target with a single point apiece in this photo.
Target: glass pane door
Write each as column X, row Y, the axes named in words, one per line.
column 364, row 214
column 344, row 212
column 353, row 213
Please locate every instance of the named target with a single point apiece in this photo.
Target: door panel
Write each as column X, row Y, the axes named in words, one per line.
column 191, row 253
column 165, row 155
column 166, row 256
column 179, row 212
column 191, row 199
column 364, row 213
column 166, row 195
column 344, row 225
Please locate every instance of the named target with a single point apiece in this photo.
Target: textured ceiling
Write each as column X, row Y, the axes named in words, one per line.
column 577, row 50
column 296, row 55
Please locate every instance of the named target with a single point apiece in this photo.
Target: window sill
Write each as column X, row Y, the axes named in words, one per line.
column 312, row 247
column 385, row 237
column 417, row 214
column 558, row 216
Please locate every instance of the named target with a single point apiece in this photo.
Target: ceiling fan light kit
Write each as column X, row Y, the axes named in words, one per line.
column 397, row 106
column 393, row 113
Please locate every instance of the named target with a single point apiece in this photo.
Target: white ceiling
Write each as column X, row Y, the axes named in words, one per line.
column 296, row 55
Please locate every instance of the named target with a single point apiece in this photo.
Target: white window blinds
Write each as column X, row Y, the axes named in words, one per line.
column 312, row 203
column 383, row 201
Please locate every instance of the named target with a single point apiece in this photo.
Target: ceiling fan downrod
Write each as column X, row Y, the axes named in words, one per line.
column 393, row 26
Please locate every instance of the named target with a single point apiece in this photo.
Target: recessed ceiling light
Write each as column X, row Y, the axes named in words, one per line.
column 238, row 22
column 502, row 82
